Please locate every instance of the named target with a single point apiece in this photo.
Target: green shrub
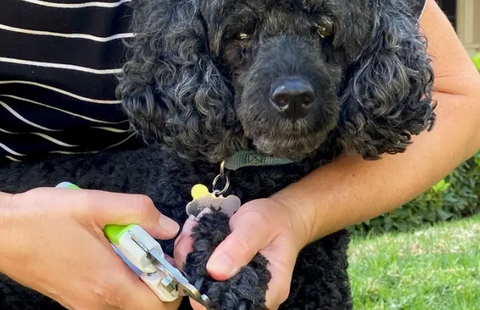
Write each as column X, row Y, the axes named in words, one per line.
column 455, row 197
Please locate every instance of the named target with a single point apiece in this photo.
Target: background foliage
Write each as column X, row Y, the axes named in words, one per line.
column 453, row 198
column 476, row 61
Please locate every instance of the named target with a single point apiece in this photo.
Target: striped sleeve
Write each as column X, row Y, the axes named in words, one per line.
column 58, row 61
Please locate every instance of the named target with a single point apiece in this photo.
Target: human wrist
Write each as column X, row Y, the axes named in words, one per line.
column 301, row 219
column 4, row 208
column 4, row 215
column 4, row 198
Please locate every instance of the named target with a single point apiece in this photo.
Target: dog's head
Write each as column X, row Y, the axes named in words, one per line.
column 210, row 77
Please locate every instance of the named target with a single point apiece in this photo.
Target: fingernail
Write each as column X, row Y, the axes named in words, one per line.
column 221, row 264
column 168, row 225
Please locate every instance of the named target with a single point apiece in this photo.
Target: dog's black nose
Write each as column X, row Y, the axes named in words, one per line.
column 293, row 97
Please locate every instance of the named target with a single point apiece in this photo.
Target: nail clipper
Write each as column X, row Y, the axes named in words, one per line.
column 144, row 255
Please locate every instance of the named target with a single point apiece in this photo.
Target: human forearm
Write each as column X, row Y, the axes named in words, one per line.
column 352, row 190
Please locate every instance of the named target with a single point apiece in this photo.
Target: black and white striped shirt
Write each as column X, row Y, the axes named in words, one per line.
column 58, row 60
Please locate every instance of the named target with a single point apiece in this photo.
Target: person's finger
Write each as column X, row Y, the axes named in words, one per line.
column 124, row 209
column 145, row 299
column 282, row 256
column 184, row 242
column 251, row 232
column 171, row 260
column 129, row 292
column 196, row 306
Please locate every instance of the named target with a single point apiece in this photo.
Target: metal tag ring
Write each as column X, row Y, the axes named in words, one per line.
column 225, row 188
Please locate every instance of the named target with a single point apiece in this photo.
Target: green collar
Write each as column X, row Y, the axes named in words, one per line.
column 253, row 159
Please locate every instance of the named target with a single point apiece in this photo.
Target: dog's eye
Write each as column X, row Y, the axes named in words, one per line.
column 325, row 28
column 243, row 36
column 247, row 30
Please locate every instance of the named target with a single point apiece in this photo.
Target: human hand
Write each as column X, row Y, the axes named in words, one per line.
column 53, row 242
column 267, row 226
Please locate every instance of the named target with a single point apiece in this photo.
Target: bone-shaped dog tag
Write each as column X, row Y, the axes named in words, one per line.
column 203, row 199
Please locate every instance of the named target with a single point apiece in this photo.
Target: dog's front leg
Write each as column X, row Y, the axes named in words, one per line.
column 246, row 290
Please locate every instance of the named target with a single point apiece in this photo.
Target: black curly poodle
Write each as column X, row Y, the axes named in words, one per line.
column 296, row 80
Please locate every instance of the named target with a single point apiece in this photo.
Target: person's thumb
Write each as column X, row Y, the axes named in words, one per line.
column 124, row 209
column 250, row 234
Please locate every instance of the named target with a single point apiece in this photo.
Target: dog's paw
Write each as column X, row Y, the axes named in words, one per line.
column 246, row 290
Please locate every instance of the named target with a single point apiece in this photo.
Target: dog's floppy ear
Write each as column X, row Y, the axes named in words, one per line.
column 170, row 88
column 387, row 98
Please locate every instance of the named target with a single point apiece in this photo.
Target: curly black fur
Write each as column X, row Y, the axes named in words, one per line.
column 243, row 288
column 197, row 83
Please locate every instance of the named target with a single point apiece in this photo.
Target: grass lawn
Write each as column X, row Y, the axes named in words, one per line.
column 435, row 268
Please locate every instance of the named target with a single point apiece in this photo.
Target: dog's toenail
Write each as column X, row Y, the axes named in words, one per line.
column 199, row 283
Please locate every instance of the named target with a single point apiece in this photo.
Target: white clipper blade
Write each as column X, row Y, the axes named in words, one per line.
column 137, row 256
